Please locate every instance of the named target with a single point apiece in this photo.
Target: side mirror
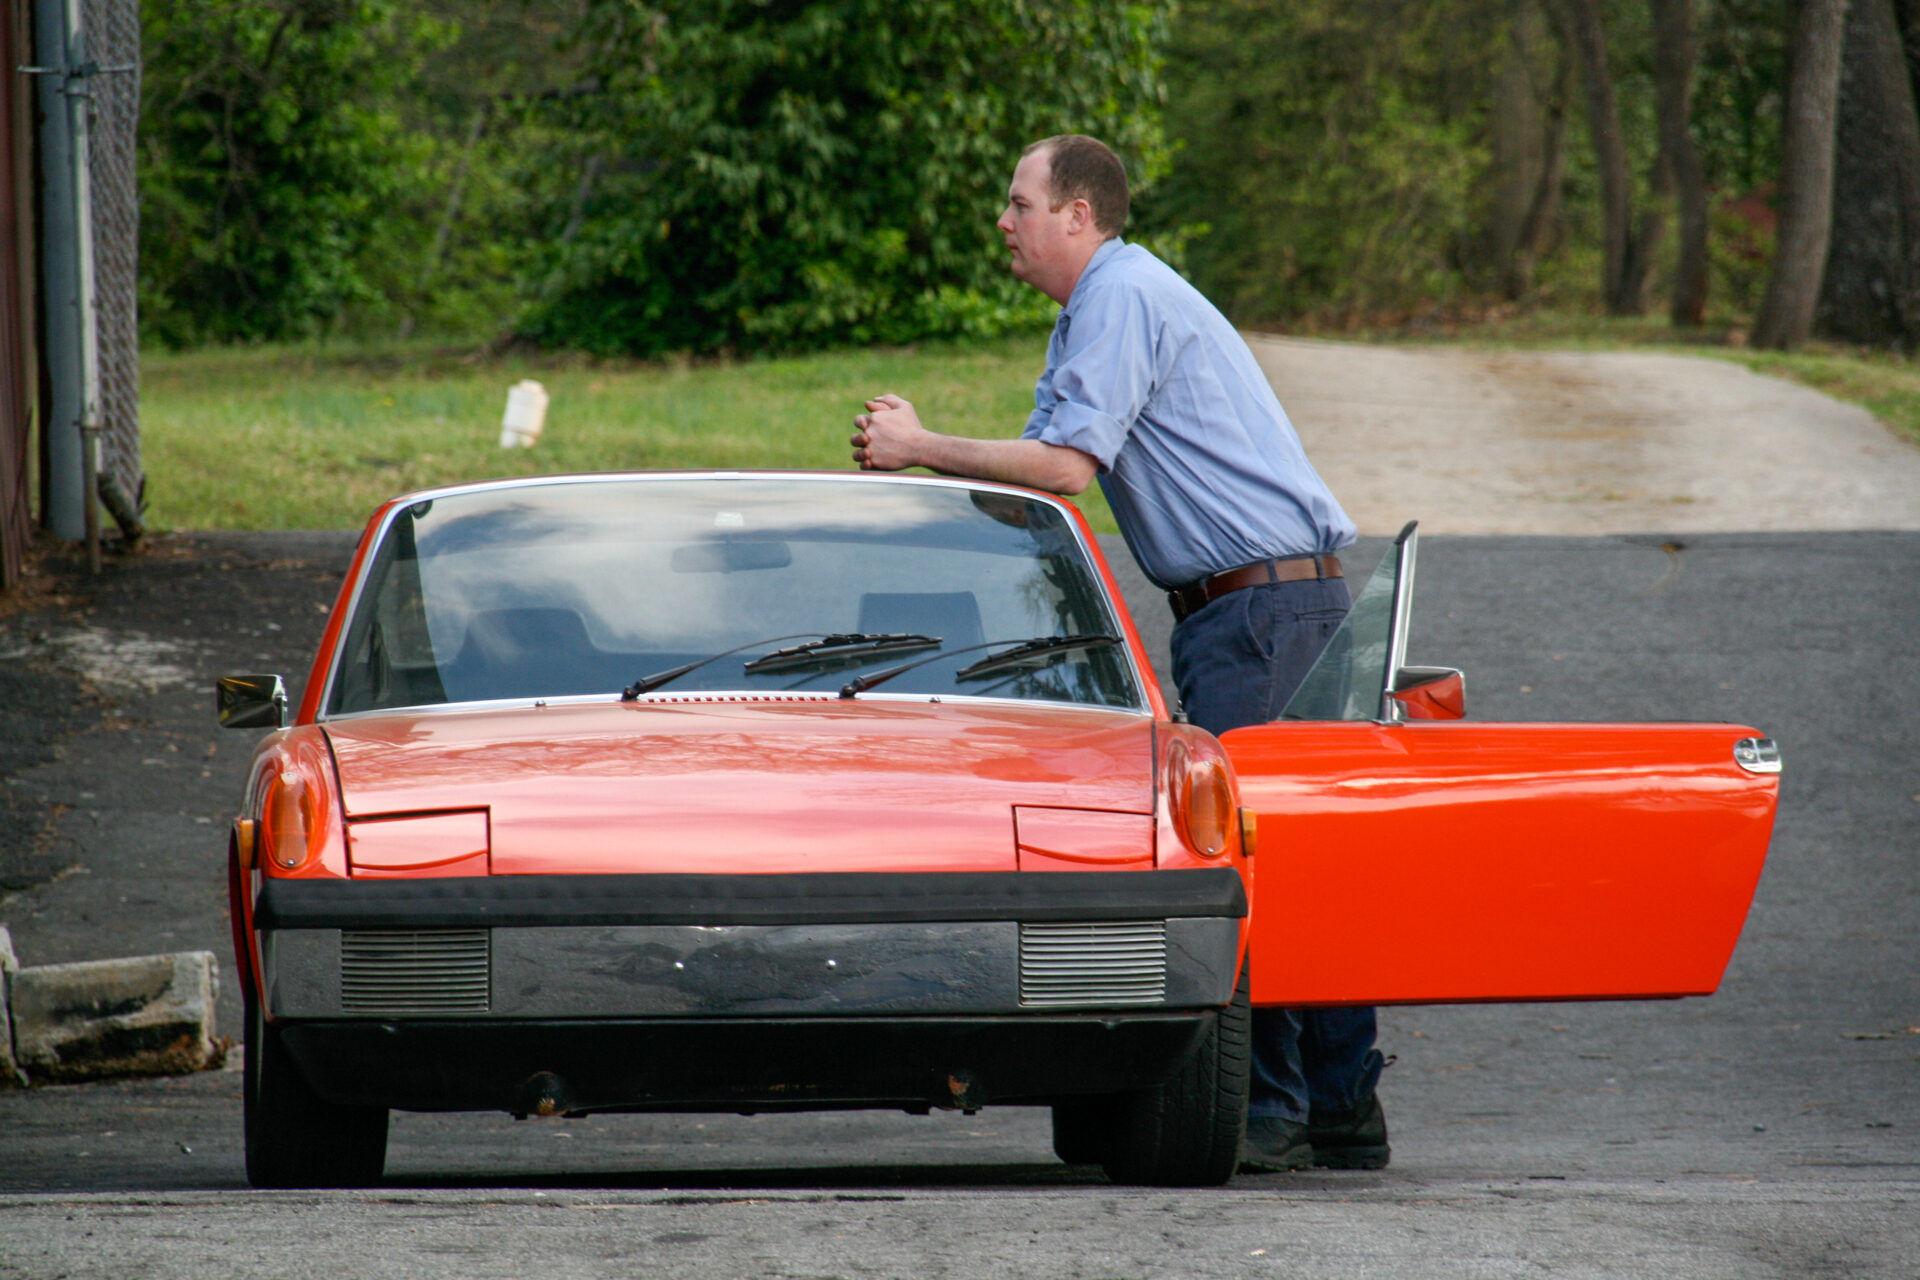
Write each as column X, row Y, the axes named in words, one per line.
column 1430, row 693
column 251, row 702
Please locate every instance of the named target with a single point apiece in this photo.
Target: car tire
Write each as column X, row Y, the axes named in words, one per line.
column 1083, row 1129
column 1186, row 1132
column 294, row 1137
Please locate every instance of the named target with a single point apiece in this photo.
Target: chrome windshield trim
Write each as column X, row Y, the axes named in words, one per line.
column 738, row 697
column 401, row 502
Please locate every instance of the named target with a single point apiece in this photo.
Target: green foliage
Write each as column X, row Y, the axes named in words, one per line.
column 1331, row 147
column 457, row 255
column 271, row 158
column 1739, row 96
column 778, row 175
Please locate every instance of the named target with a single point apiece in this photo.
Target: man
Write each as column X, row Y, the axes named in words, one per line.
column 1150, row 390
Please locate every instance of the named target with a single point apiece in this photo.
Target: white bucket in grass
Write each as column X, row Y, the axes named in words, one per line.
column 526, row 414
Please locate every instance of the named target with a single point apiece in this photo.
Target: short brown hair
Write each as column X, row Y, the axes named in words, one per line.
column 1083, row 168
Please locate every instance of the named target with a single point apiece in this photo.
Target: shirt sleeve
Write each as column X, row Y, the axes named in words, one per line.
column 1104, row 375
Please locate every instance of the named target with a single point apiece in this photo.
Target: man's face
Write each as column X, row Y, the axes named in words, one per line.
column 1036, row 234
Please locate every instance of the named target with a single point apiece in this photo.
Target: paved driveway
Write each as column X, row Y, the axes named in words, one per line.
column 1572, row 443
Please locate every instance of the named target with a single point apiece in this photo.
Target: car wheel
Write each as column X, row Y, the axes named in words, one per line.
column 1186, row 1132
column 1083, row 1129
column 294, row 1137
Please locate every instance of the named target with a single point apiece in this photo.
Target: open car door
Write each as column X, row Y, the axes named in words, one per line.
column 1406, row 856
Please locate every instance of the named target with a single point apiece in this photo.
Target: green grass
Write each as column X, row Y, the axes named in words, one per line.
column 316, row 438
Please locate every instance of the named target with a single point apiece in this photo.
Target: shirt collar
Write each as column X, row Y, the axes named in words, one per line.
column 1099, row 259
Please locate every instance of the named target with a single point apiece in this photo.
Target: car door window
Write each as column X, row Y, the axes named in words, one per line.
column 1352, row 674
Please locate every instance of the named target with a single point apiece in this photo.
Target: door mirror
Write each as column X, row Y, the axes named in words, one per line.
column 251, row 702
column 1430, row 693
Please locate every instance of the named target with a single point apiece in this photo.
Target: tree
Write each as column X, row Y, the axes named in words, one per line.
column 1806, row 173
column 1332, row 151
column 775, row 174
column 271, row 157
column 1627, row 248
column 1870, row 291
column 1675, row 51
column 1527, row 138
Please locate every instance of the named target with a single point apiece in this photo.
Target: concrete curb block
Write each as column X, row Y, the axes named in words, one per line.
column 10, row 1074
column 100, row 1019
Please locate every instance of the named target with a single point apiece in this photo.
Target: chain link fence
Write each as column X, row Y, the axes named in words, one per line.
column 113, row 39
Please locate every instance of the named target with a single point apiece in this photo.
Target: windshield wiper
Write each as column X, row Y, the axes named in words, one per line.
column 647, row 684
column 1040, row 648
column 826, row 649
column 1037, row 651
column 851, row 646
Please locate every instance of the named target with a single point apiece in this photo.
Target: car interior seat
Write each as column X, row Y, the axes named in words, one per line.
column 513, row 653
column 954, row 616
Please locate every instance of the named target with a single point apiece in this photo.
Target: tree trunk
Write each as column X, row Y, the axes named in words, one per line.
column 1871, row 289
column 1528, row 137
column 1524, row 142
column 1907, row 14
column 1675, row 50
column 1806, row 173
column 1624, row 256
column 1542, row 229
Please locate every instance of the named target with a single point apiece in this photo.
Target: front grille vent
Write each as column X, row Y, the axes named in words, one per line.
column 1093, row 964
column 436, row 971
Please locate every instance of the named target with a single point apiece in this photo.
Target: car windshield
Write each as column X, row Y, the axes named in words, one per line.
column 591, row 587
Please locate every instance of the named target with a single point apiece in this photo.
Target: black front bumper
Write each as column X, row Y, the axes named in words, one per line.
column 833, row 897
column 741, row 992
column 739, row 1064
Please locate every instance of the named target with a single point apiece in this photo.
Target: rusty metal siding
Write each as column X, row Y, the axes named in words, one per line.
column 17, row 361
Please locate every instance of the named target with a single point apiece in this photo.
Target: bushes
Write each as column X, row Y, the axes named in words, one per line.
column 785, row 175
column 270, row 160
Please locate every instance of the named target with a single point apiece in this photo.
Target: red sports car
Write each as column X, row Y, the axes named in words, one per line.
column 752, row 792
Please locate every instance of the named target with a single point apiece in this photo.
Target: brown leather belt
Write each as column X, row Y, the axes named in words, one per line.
column 1195, row 596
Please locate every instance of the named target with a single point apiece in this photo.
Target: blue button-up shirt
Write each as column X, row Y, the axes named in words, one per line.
column 1197, row 458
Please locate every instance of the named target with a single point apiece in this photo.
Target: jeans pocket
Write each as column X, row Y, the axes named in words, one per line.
column 1258, row 610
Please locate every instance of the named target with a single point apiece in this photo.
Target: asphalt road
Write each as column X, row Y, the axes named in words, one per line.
column 1770, row 1130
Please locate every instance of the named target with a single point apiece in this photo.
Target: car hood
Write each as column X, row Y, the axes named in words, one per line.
column 716, row 784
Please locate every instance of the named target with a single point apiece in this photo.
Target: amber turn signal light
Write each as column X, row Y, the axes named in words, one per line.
column 1208, row 808
column 288, row 817
column 243, row 834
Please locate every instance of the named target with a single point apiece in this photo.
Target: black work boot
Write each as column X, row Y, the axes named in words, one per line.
column 1355, row 1139
column 1272, row 1145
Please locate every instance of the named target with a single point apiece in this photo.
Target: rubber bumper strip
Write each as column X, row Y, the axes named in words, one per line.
column 858, row 897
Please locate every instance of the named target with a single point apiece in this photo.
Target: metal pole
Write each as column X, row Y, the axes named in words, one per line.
column 72, row 316
column 90, row 457
column 63, row 495
column 80, row 125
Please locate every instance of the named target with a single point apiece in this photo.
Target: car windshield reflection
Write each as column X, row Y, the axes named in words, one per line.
column 580, row 587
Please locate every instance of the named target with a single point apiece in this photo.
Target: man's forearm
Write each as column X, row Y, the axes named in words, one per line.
column 1033, row 463
column 889, row 437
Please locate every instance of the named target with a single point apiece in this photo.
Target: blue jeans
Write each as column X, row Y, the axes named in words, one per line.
column 1236, row 663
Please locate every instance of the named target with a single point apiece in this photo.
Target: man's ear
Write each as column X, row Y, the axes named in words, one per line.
column 1079, row 217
